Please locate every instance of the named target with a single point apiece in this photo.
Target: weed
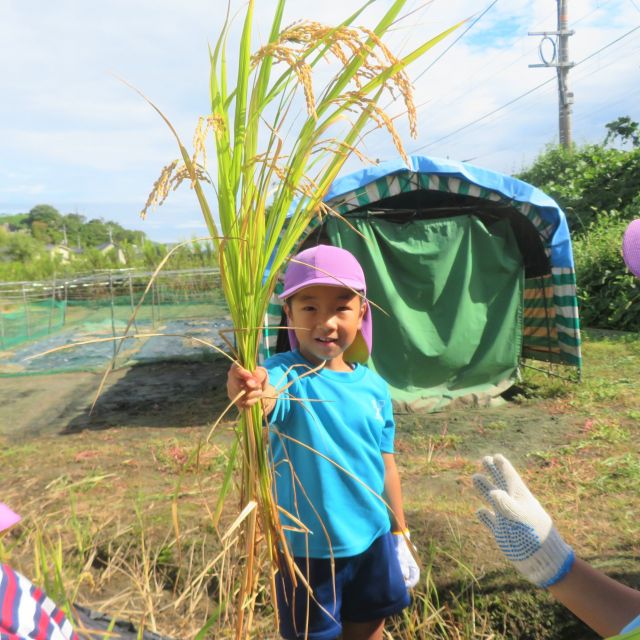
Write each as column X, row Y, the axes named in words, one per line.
column 609, row 432
column 497, row 425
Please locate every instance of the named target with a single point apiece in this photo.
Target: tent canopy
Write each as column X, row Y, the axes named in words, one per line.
column 473, row 268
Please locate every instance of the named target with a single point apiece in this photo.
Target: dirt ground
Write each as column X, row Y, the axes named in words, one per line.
column 155, row 396
column 158, row 407
column 576, row 444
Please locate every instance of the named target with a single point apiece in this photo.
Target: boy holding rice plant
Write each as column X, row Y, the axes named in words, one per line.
column 331, row 436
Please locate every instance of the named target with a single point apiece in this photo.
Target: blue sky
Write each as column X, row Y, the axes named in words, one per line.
column 77, row 138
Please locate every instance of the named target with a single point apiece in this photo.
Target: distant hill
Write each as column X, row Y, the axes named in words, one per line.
column 45, row 242
column 15, row 220
column 46, row 224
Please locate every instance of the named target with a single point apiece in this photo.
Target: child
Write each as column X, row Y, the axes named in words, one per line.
column 331, row 436
column 25, row 610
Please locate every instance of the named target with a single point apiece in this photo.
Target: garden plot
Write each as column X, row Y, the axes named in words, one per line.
column 90, row 347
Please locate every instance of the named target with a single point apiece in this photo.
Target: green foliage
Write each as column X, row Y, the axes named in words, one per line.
column 624, row 128
column 19, row 247
column 47, row 225
column 45, row 214
column 597, row 186
column 588, row 180
column 15, row 221
column 609, row 295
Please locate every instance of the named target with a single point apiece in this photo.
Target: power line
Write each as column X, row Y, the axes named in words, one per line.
column 590, row 13
column 587, row 72
column 595, row 53
column 418, row 9
column 482, row 81
column 523, row 95
column 457, row 39
column 484, row 117
column 580, row 118
column 608, row 104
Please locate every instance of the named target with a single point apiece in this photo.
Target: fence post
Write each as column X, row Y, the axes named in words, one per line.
column 133, row 306
column 53, row 302
column 113, row 321
column 27, row 317
column 153, row 304
column 2, row 328
column 66, row 299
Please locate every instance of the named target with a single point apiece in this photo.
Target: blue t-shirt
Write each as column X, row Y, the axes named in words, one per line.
column 333, row 439
column 634, row 625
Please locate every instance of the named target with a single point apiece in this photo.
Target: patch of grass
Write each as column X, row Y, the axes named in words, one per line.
column 497, row 425
column 578, row 451
column 610, row 432
column 618, row 473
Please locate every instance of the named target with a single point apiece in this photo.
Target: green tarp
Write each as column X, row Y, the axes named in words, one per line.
column 453, row 292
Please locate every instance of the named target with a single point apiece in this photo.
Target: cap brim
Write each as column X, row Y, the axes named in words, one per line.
column 631, row 247
column 7, row 517
column 327, row 281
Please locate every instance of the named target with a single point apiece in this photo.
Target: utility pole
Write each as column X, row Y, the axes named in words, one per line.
column 560, row 60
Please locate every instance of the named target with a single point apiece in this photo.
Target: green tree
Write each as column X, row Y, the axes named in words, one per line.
column 20, row 247
column 624, row 128
column 598, row 188
column 94, row 233
column 46, row 214
column 609, row 295
column 587, row 180
column 73, row 223
column 15, row 221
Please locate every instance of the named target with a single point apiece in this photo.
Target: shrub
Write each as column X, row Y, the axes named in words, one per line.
column 609, row 295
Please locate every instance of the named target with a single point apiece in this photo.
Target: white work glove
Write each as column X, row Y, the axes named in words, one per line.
column 523, row 530
column 408, row 565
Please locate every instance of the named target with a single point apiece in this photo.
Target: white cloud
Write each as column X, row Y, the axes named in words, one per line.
column 72, row 133
column 17, row 189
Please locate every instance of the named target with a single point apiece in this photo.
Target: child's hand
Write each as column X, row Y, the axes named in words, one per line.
column 253, row 384
column 408, row 565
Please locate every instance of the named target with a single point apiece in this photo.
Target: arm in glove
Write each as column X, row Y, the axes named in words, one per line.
column 522, row 529
column 408, row 565
column 526, row 535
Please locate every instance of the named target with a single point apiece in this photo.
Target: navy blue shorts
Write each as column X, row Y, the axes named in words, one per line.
column 368, row 587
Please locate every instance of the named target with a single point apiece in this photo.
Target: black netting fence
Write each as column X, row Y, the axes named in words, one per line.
column 179, row 316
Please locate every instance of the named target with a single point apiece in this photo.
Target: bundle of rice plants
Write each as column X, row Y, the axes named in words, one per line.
column 275, row 163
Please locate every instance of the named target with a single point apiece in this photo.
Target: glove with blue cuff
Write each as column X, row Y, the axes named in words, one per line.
column 408, row 565
column 523, row 530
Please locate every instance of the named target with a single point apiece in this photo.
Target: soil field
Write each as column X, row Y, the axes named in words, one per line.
column 128, row 492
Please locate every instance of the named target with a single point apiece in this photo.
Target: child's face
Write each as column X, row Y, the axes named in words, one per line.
column 326, row 321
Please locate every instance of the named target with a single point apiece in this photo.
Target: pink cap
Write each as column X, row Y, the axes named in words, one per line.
column 631, row 247
column 334, row 267
column 7, row 517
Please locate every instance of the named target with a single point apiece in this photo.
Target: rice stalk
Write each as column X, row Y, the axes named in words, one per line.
column 260, row 222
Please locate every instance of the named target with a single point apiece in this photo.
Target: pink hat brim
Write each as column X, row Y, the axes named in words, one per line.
column 7, row 517
column 631, row 247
